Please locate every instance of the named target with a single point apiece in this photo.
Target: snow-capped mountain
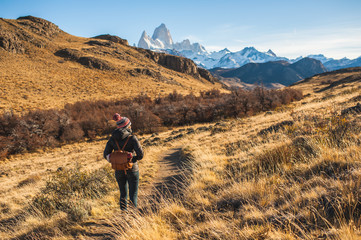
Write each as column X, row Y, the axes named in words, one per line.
column 162, row 41
column 247, row 55
column 162, row 35
column 335, row 64
column 320, row 57
column 150, row 43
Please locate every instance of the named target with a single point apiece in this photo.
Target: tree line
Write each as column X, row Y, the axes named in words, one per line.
column 90, row 119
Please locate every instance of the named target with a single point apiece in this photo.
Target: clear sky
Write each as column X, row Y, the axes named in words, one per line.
column 291, row 28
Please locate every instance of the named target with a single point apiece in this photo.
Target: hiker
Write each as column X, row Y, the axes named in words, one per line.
column 125, row 178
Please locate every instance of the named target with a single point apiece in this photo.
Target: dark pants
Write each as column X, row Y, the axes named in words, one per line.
column 130, row 179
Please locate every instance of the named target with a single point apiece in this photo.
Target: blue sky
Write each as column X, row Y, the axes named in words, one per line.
column 290, row 28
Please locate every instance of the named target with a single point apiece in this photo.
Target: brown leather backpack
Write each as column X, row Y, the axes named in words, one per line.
column 119, row 158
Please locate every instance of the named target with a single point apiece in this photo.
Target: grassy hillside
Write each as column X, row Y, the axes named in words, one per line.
column 42, row 67
column 292, row 173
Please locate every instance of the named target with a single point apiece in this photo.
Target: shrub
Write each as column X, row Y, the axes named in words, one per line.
column 50, row 128
column 68, row 191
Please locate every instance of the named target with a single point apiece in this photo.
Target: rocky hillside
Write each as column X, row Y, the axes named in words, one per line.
column 271, row 74
column 42, row 66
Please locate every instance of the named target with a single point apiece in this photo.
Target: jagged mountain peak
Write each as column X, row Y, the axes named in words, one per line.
column 224, row 58
column 162, row 40
column 250, row 49
column 271, row 53
column 144, row 34
column 162, row 33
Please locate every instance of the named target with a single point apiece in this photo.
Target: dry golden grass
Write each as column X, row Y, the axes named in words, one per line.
column 224, row 195
column 227, row 196
column 301, row 182
column 23, row 177
column 40, row 80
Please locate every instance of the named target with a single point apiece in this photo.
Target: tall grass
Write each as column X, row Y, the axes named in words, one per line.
column 71, row 190
column 304, row 187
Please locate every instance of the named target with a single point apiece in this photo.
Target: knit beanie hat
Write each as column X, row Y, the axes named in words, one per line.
column 122, row 122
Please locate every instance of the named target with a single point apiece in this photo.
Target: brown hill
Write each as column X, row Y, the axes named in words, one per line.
column 41, row 66
column 271, row 74
column 329, row 82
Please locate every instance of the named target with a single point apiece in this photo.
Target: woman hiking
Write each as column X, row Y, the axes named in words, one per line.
column 122, row 137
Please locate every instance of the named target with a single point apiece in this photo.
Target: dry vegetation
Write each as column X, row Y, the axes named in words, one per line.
column 51, row 128
column 290, row 173
column 247, row 178
column 33, row 75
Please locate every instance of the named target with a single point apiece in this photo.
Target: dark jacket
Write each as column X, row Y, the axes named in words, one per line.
column 120, row 135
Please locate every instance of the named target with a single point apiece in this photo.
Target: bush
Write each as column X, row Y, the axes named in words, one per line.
column 50, row 128
column 68, row 191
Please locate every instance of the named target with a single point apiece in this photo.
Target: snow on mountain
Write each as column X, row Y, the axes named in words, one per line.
column 335, row 64
column 320, row 57
column 186, row 45
column 270, row 52
column 218, row 55
column 149, row 43
column 341, row 63
column 162, row 41
column 247, row 55
column 162, row 34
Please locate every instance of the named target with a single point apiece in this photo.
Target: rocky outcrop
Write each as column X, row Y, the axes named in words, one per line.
column 11, row 42
column 16, row 39
column 207, row 75
column 101, row 43
column 68, row 53
column 112, row 38
column 90, row 62
column 179, row 64
column 39, row 26
column 144, row 71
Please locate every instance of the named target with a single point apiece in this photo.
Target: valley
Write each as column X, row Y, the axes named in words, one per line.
column 218, row 163
column 241, row 184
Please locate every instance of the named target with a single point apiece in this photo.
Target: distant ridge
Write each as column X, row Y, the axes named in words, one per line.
column 162, row 41
column 271, row 73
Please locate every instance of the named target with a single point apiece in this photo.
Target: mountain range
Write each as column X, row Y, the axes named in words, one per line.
column 161, row 41
column 270, row 74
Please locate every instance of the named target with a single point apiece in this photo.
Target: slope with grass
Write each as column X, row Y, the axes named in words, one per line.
column 292, row 173
column 43, row 67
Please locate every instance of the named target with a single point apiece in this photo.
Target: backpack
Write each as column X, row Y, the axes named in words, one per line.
column 119, row 158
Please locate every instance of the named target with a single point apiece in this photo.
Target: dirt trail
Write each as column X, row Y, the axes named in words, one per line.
column 166, row 184
column 169, row 176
